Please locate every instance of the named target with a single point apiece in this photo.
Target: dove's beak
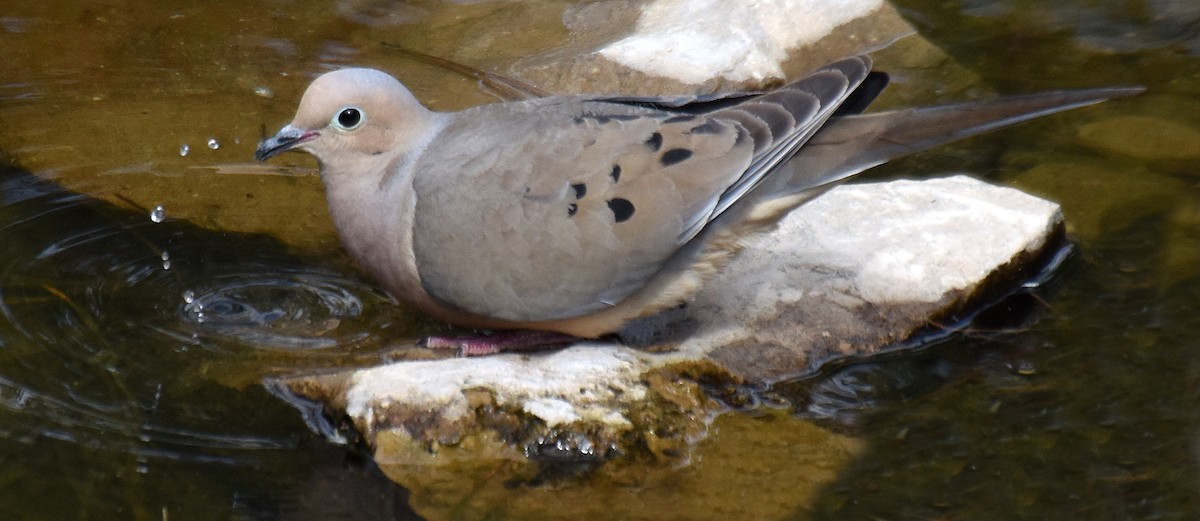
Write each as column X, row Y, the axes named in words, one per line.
column 287, row 138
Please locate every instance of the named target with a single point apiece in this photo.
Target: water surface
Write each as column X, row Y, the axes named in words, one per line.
column 131, row 350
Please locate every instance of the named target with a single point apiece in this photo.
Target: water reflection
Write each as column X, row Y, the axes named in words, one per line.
column 134, row 348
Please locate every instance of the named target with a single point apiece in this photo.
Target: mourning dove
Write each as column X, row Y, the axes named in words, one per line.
column 577, row 214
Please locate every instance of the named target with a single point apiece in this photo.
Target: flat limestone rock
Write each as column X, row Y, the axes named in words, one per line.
column 853, row 273
column 867, row 266
column 659, row 47
column 737, row 41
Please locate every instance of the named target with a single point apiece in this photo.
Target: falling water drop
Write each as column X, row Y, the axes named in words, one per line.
column 189, row 296
column 213, row 143
column 184, row 149
column 1026, row 368
column 158, row 214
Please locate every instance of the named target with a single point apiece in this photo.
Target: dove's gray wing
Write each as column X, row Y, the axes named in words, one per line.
column 560, row 207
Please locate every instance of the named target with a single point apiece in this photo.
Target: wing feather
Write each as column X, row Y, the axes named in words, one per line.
column 560, row 207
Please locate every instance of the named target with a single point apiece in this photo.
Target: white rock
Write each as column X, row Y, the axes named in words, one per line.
column 560, row 387
column 916, row 241
column 693, row 41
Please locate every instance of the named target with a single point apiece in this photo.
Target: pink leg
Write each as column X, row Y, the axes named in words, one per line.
column 500, row 342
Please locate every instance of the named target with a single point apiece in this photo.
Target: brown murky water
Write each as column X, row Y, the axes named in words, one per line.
column 131, row 351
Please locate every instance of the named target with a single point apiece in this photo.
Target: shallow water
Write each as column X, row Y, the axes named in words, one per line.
column 131, row 351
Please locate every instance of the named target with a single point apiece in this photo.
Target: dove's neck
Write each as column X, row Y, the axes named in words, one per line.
column 371, row 202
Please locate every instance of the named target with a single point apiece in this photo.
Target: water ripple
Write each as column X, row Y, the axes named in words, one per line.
column 123, row 333
column 286, row 311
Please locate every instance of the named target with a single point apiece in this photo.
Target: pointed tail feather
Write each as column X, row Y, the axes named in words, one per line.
column 851, row 144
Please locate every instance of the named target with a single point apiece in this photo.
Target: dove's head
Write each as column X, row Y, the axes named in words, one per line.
column 350, row 116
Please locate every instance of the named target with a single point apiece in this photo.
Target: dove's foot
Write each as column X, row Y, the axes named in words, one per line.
column 501, row 342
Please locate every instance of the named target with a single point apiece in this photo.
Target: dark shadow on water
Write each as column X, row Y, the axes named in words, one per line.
column 1090, row 414
column 846, row 393
column 130, row 356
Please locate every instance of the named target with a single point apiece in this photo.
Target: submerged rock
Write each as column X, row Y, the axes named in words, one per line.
column 1144, row 138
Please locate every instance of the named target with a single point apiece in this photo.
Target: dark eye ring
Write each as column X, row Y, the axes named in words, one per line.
column 348, row 118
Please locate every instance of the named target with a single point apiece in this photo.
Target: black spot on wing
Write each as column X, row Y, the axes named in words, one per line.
column 616, row 173
column 675, row 155
column 655, row 142
column 622, row 209
column 571, row 209
column 580, row 190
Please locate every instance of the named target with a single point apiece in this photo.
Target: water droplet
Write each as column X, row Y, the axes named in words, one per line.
column 166, row 255
column 158, row 214
column 264, row 91
column 184, row 149
column 213, row 143
column 189, row 296
column 1026, row 369
column 166, row 265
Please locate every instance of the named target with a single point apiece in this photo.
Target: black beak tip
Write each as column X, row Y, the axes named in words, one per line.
column 264, row 152
column 285, row 140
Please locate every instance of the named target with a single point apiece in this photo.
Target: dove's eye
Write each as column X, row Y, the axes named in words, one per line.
column 348, row 118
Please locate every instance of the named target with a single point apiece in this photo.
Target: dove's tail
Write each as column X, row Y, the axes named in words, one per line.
column 850, row 144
